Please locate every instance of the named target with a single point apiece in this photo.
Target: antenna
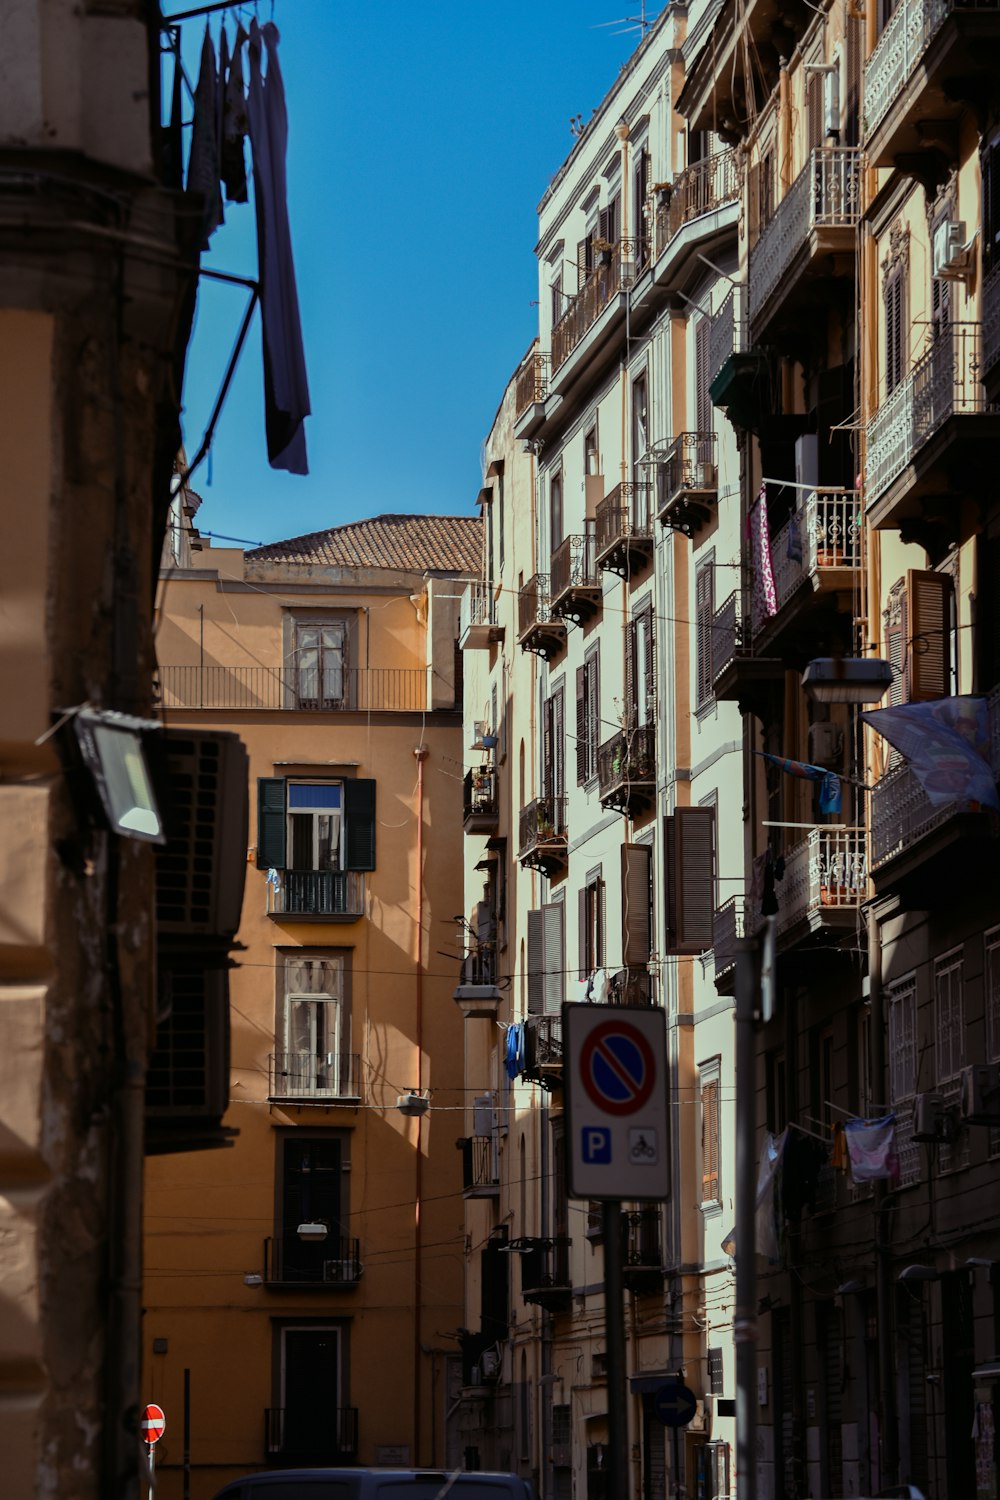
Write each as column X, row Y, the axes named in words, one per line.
column 629, row 23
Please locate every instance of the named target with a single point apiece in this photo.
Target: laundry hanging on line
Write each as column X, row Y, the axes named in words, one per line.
column 830, row 798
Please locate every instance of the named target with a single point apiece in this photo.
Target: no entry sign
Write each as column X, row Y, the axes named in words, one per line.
column 616, row 1101
column 152, row 1424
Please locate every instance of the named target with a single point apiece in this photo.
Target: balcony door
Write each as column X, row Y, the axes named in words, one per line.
column 314, row 1025
column 310, row 1389
column 321, row 663
column 315, row 825
column 640, row 446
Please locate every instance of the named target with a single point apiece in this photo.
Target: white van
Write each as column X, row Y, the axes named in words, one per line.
column 377, row 1484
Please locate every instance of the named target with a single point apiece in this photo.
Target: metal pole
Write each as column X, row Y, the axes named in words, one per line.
column 150, row 1452
column 614, row 1328
column 187, row 1435
column 677, row 1462
column 745, row 1319
column 888, row 1457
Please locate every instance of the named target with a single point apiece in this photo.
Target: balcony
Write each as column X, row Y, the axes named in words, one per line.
column 936, row 433
column 308, row 1078
column 626, row 770
column 538, row 629
column 687, row 483
column 478, row 628
column 699, row 189
column 531, row 386
column 624, row 530
column 615, row 272
column 480, row 1166
column 737, row 675
column 918, row 849
column 642, row 1253
column 317, row 895
column 297, row 1434
column 293, row 689
column 825, row 882
column 543, row 1051
column 815, row 555
column 481, row 801
column 931, row 56
column 543, row 837
column 810, row 238
column 545, row 1279
column 736, row 371
column 477, row 993
column 728, row 930
column 577, row 591
column 632, row 986
column 326, row 1264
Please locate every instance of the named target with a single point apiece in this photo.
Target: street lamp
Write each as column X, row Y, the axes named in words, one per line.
column 847, row 679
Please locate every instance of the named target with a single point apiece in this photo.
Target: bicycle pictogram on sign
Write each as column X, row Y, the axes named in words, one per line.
column 617, row 1068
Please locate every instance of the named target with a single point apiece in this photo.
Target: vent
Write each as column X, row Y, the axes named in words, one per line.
column 201, row 869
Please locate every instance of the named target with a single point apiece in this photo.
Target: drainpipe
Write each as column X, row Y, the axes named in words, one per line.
column 420, row 754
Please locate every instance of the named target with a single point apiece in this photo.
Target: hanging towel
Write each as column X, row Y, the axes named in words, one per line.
column 765, row 598
column 830, row 799
column 514, row 1055
column 286, row 389
column 871, row 1146
column 203, row 164
column 234, row 125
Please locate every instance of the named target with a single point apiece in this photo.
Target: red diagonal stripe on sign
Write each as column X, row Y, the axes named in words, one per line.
column 618, row 1068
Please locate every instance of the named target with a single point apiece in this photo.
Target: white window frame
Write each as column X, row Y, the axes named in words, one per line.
column 949, row 1015
column 901, row 1018
column 322, row 1076
column 709, row 1073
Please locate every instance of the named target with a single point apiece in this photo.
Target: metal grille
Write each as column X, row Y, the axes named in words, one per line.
column 908, row 33
column 823, row 537
column 375, row 689
column 948, row 1014
column 825, row 195
column 605, row 282
column 826, row 872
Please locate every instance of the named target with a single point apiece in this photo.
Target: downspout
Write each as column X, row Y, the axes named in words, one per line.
column 420, row 753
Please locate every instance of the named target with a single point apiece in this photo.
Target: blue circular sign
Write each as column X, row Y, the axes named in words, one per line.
column 617, row 1068
column 675, row 1404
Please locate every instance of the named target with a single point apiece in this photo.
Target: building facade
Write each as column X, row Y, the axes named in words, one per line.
column 296, row 1280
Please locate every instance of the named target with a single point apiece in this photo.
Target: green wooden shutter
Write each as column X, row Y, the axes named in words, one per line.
column 271, row 822
column 359, row 816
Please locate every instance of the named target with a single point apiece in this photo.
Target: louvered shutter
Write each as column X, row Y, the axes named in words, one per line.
column 690, row 879
column 555, row 963
column 702, row 357
column 583, row 926
column 547, row 767
column 558, row 755
column 536, row 963
column 649, row 666
column 895, row 642
column 893, row 331
column 271, row 822
column 581, row 725
column 928, row 657
column 631, row 685
column 814, row 109
column 704, row 608
column 636, row 944
column 641, row 187
column 710, row 1141
column 359, row 818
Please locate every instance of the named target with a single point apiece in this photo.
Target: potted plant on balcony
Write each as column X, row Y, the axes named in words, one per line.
column 546, row 827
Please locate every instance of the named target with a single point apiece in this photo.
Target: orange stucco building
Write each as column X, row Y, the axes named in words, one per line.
column 309, row 1279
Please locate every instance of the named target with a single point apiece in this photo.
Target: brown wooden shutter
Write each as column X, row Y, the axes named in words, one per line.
column 631, row 694
column 928, row 656
column 593, row 669
column 704, row 608
column 583, row 913
column 582, row 747
column 814, row 109
column 710, row 1141
column 649, row 667
column 893, row 330
column 895, row 642
column 554, row 962
column 536, row 963
column 702, row 356
column 690, row 879
column 636, row 936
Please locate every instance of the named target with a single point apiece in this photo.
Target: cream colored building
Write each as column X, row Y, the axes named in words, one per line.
column 603, row 795
column 309, row 1279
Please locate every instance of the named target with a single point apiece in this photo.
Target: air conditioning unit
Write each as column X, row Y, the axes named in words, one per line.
column 826, row 745
column 932, row 1120
column 482, row 1115
column 979, row 1101
column 949, row 255
column 339, row 1270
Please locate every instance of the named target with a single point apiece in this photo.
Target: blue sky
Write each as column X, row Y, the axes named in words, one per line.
column 422, row 137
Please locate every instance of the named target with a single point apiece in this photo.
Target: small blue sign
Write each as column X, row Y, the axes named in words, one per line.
column 596, row 1146
column 675, row 1404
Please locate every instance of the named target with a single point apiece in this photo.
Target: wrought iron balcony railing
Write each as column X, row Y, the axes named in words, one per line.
column 730, row 634
column 545, row 1277
column 727, row 931
column 480, row 1166
column 334, row 894
column 699, row 189
column 331, row 1262
column 728, row 334
column 478, row 626
column 327, row 1076
column 296, row 1432
column 480, row 800
column 624, row 527
column 573, row 567
column 907, row 36
column 532, row 382
column 819, row 542
column 615, row 270
column 543, row 1050
column 826, row 877
column 687, row 480
column 825, row 195
column 626, row 768
column 642, row 1250
column 538, row 629
column 542, row 840
column 343, row 690
column 632, row 986
column 946, row 381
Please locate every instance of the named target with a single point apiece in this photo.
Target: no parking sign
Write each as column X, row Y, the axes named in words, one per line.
column 615, row 1074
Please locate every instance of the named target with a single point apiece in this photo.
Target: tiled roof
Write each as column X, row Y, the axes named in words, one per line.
column 439, row 544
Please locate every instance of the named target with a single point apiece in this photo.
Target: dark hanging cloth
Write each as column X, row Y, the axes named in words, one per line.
column 234, row 121
column 203, row 166
column 172, row 135
column 286, row 389
column 803, row 1159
